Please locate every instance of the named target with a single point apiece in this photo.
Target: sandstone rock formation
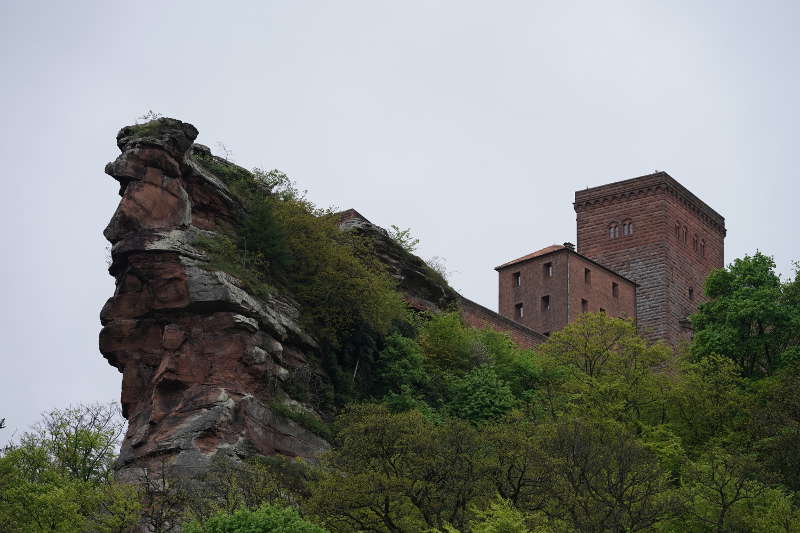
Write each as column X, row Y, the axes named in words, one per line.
column 201, row 358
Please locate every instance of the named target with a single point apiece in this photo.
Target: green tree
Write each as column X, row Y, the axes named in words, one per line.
column 399, row 473
column 775, row 425
column 598, row 366
column 480, row 395
column 707, row 403
column 58, row 476
column 404, row 238
column 751, row 317
column 603, row 479
column 717, row 487
column 265, row 519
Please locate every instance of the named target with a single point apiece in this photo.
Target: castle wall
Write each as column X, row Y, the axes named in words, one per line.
column 477, row 316
column 533, row 286
column 598, row 292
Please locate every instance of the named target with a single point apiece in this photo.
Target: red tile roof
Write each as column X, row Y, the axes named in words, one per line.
column 543, row 251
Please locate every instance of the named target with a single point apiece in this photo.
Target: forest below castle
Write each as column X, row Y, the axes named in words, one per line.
column 438, row 427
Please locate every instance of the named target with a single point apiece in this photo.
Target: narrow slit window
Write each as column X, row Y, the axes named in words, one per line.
column 615, row 289
column 546, row 303
column 691, row 293
column 685, row 234
column 548, row 270
column 519, row 311
column 584, row 305
column 695, row 243
column 517, row 279
column 587, row 276
column 702, row 248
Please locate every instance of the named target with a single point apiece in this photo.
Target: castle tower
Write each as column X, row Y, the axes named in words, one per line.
column 655, row 232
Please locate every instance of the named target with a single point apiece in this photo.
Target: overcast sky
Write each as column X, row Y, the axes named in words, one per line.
column 472, row 123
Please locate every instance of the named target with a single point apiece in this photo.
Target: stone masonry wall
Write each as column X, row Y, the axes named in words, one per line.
column 651, row 257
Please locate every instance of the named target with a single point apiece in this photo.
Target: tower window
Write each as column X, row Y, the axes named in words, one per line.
column 587, row 276
column 613, row 231
column 548, row 270
column 677, row 230
column 695, row 243
column 702, row 248
column 685, row 234
column 546, row 303
column 691, row 293
column 519, row 311
column 627, row 228
column 584, row 305
column 517, row 279
column 615, row 289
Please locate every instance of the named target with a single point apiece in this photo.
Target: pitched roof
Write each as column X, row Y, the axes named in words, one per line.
column 537, row 253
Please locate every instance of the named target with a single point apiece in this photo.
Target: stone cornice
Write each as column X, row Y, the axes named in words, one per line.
column 647, row 185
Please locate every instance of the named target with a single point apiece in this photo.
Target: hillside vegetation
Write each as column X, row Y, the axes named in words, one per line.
column 443, row 428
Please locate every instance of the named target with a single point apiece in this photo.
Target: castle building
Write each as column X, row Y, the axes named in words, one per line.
column 645, row 248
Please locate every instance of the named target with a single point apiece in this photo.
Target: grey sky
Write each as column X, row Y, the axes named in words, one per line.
column 473, row 123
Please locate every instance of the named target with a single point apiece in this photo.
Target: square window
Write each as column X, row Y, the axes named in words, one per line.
column 546, row 303
column 584, row 306
column 615, row 289
column 519, row 311
column 548, row 270
column 517, row 279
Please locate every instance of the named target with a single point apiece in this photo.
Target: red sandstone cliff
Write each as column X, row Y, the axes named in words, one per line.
column 201, row 358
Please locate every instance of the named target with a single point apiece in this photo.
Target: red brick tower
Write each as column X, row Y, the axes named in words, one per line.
column 655, row 232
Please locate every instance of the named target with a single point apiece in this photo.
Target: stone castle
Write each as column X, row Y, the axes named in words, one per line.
column 645, row 248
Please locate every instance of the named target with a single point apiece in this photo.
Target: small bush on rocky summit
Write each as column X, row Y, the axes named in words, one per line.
column 266, row 519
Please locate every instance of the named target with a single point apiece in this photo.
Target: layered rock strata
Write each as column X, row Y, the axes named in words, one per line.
column 201, row 358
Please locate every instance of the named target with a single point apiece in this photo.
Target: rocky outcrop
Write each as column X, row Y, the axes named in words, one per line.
column 202, row 359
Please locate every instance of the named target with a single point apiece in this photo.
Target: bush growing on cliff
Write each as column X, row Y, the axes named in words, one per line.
column 334, row 275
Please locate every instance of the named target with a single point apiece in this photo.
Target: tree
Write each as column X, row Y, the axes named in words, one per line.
column 598, row 366
column 266, row 519
column 58, row 476
column 717, row 486
column 751, row 317
column 397, row 473
column 404, row 238
column 603, row 479
column 480, row 395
